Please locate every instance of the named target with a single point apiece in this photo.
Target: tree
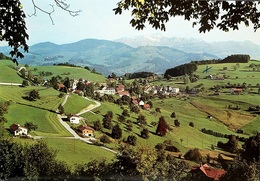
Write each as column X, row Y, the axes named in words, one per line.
column 194, row 155
column 105, row 139
column 158, row 110
column 61, row 109
column 252, row 148
column 30, row 126
column 162, row 127
column 129, row 125
column 145, row 133
column 107, row 122
column 134, row 108
column 30, row 162
column 116, row 132
column 67, row 83
column 97, row 125
column 13, row 27
column 125, row 113
column 241, row 170
column 141, row 120
column 121, row 118
column 173, row 115
column 177, row 123
column 191, row 124
column 132, row 140
column 25, row 83
column 208, row 14
column 23, row 73
column 33, row 94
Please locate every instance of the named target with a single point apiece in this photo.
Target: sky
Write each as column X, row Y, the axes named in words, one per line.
column 97, row 20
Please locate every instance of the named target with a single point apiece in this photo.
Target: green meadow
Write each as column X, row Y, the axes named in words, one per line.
column 73, row 151
column 76, row 104
column 65, row 71
column 188, row 108
column 8, row 73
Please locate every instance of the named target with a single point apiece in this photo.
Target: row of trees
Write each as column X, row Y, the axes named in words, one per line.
column 37, row 161
column 180, row 70
column 238, row 58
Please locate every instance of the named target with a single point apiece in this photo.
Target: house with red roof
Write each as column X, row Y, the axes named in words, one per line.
column 18, row 130
column 146, row 106
column 207, row 173
column 124, row 93
column 86, row 130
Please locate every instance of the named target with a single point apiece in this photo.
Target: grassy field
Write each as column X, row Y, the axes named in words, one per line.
column 40, row 112
column 77, row 152
column 189, row 108
column 71, row 72
column 75, row 104
column 8, row 74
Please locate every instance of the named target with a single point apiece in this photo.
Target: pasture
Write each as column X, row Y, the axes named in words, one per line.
column 71, row 72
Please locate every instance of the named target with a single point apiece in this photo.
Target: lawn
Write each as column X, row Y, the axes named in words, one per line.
column 77, row 152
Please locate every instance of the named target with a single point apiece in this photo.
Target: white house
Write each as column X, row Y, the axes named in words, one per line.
column 106, row 90
column 18, row 130
column 175, row 90
column 141, row 103
column 73, row 118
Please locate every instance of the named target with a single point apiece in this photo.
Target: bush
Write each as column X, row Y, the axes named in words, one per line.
column 194, row 155
column 145, row 133
column 105, row 139
column 171, row 148
column 160, row 146
column 131, row 139
column 191, row 124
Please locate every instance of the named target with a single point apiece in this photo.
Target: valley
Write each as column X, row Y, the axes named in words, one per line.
column 207, row 103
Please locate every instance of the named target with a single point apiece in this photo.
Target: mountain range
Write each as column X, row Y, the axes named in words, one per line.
column 128, row 55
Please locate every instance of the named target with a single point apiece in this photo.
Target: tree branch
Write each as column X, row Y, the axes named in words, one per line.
column 59, row 3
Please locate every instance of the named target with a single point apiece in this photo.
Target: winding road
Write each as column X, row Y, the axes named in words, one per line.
column 64, row 124
column 67, row 127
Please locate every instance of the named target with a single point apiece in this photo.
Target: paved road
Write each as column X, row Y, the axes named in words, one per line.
column 16, row 84
column 64, row 124
column 67, row 127
column 76, row 136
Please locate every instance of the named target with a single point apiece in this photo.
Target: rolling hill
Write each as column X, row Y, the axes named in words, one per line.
column 109, row 56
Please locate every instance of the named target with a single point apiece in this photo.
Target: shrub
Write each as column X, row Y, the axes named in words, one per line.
column 131, row 139
column 145, row 133
column 171, row 148
column 194, row 155
column 160, row 146
column 191, row 124
column 105, row 139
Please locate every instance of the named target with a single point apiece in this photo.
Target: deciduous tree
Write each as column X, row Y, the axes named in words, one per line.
column 208, row 15
column 162, row 127
column 116, row 132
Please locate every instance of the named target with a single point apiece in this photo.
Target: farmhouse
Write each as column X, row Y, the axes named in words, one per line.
column 207, row 172
column 73, row 118
column 18, row 130
column 86, row 130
